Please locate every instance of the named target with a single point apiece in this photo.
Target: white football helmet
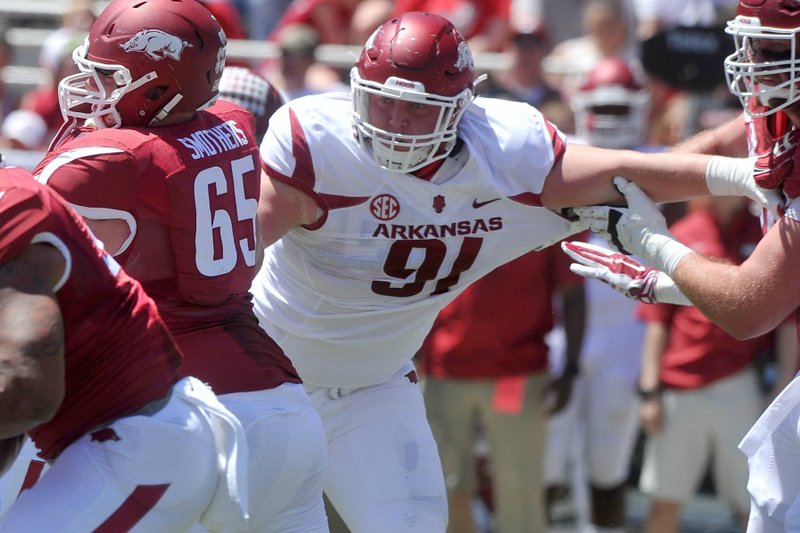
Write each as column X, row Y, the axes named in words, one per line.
column 611, row 106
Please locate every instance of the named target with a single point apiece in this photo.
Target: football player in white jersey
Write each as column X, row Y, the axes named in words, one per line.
column 382, row 206
column 758, row 295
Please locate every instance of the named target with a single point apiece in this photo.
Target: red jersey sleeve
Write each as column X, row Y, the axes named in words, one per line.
column 74, row 174
column 22, row 216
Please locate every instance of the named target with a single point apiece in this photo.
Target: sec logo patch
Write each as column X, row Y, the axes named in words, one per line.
column 384, row 207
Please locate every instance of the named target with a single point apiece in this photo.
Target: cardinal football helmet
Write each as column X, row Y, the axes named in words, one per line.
column 765, row 64
column 419, row 58
column 611, row 106
column 145, row 59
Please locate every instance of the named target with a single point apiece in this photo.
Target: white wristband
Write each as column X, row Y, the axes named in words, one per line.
column 665, row 291
column 727, row 176
column 664, row 252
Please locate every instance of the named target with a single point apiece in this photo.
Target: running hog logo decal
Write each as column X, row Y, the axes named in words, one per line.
column 157, row 44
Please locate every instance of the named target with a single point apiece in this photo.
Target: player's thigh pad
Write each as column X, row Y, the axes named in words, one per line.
column 148, row 474
column 383, row 472
column 288, row 452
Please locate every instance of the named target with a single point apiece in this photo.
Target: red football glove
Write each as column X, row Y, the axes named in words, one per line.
column 624, row 274
column 774, row 143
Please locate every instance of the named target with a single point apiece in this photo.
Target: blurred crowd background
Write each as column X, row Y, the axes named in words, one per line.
column 537, row 50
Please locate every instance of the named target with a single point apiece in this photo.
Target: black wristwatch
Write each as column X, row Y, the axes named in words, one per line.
column 649, row 394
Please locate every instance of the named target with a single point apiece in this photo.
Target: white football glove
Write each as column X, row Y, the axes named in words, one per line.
column 640, row 229
column 623, row 274
column 729, row 176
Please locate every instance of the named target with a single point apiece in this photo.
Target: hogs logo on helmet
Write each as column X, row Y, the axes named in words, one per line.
column 157, row 44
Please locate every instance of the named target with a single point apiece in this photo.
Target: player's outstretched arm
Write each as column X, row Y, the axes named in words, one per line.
column 583, row 176
column 31, row 340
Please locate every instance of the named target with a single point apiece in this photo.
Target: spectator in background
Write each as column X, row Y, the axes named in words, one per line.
column 228, row 17
column 76, row 20
column 23, row 130
column 368, row 15
column 483, row 23
column 330, row 18
column 524, row 79
column 486, row 364
column 253, row 92
column 7, row 103
column 699, row 386
column 43, row 100
column 596, row 433
column 296, row 72
column 559, row 15
column 262, row 16
column 608, row 32
column 654, row 16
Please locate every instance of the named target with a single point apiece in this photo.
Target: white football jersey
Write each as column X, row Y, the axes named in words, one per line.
column 351, row 298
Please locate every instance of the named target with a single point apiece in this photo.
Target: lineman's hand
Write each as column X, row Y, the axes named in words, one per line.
column 623, row 274
column 640, row 229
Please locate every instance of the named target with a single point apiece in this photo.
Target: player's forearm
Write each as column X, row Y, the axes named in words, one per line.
column 584, row 176
column 724, row 294
column 667, row 177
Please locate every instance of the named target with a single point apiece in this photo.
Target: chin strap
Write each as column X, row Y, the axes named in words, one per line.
column 166, row 110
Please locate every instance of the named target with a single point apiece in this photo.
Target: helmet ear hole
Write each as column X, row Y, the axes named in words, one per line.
column 156, row 92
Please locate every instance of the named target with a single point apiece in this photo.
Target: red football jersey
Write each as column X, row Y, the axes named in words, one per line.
column 189, row 194
column 118, row 353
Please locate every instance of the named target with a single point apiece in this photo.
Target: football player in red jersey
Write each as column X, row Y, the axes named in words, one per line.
column 752, row 298
column 169, row 181
column 91, row 374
